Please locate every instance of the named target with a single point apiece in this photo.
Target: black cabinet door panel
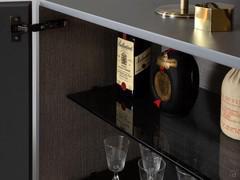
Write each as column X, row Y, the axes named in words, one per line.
column 15, row 95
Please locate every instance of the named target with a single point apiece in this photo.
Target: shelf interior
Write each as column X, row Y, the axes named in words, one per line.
column 193, row 142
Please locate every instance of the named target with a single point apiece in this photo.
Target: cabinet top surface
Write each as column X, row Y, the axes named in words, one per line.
column 137, row 17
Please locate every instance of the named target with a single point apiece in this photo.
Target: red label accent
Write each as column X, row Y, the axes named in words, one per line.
column 170, row 50
column 157, row 102
column 123, row 86
column 162, row 69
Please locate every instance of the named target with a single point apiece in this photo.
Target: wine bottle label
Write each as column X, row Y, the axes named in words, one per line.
column 230, row 111
column 124, row 118
column 230, row 104
column 125, row 63
column 162, row 85
column 142, row 61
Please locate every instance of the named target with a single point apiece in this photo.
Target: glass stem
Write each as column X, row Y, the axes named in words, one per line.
column 150, row 176
column 115, row 177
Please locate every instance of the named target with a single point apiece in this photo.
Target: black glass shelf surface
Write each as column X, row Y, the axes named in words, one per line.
column 131, row 171
column 193, row 142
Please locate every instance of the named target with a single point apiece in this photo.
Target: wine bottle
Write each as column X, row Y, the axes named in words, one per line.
column 125, row 114
column 133, row 61
column 174, row 82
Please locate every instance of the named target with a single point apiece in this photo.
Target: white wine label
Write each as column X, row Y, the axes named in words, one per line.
column 142, row 61
column 124, row 118
column 230, row 104
column 230, row 119
column 125, row 63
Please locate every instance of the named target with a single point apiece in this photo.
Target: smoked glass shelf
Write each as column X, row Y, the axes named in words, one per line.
column 193, row 142
column 131, row 171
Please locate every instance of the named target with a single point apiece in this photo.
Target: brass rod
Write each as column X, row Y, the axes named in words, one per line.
column 184, row 6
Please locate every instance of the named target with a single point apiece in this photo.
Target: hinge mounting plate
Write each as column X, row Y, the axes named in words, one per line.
column 18, row 27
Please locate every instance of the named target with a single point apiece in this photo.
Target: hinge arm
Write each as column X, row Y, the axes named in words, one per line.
column 18, row 28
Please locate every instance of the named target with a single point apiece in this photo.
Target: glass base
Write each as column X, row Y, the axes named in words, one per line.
column 173, row 11
column 115, row 177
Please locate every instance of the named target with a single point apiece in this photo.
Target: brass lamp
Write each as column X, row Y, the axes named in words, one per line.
column 184, row 10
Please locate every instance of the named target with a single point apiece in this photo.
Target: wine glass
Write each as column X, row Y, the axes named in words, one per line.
column 157, row 175
column 116, row 148
column 182, row 175
column 151, row 161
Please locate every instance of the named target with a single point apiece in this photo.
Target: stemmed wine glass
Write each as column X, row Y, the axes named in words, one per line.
column 151, row 161
column 182, row 175
column 116, row 148
column 157, row 175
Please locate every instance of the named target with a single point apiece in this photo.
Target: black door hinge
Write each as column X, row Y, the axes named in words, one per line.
column 18, row 27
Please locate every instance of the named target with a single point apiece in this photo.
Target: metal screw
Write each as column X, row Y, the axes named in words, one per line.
column 16, row 19
column 16, row 38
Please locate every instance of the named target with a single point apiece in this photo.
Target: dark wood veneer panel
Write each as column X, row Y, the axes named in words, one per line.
column 73, row 59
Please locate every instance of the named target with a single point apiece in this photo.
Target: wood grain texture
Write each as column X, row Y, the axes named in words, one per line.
column 73, row 59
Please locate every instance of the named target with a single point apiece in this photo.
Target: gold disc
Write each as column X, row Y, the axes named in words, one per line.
column 173, row 11
column 162, row 85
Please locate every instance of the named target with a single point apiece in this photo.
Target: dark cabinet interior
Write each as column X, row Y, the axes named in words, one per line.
column 82, row 57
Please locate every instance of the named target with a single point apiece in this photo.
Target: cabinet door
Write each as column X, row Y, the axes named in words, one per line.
column 15, row 95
